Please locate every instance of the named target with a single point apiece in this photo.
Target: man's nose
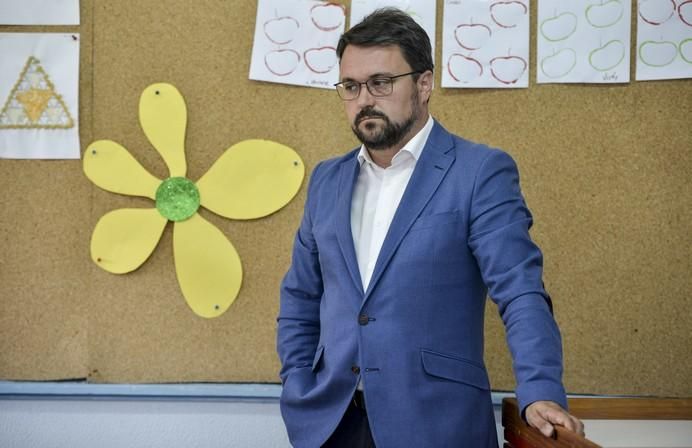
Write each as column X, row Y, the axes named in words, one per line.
column 365, row 98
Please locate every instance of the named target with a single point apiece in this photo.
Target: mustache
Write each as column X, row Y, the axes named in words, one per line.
column 369, row 112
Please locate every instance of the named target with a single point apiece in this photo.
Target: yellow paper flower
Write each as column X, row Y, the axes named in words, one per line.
column 251, row 179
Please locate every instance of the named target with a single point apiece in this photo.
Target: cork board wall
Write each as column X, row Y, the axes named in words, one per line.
column 605, row 169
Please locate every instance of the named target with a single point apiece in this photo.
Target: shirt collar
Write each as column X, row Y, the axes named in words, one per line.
column 413, row 148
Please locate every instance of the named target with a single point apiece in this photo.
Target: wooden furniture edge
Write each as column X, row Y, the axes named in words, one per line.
column 520, row 435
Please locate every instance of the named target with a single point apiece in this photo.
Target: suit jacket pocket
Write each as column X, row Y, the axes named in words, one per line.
column 434, row 220
column 318, row 357
column 454, row 369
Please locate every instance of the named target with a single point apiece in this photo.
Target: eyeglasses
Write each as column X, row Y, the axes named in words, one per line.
column 377, row 86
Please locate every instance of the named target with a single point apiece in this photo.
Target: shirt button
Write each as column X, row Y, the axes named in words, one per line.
column 363, row 319
column 355, row 369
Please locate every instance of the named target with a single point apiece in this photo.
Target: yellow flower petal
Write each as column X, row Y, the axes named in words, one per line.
column 253, row 178
column 163, row 116
column 208, row 266
column 112, row 167
column 123, row 239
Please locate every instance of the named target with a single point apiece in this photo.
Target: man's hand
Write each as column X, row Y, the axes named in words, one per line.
column 543, row 415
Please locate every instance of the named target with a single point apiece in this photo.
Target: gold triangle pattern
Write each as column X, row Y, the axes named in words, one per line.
column 33, row 102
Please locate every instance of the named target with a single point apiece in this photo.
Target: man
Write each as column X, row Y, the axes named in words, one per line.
column 380, row 328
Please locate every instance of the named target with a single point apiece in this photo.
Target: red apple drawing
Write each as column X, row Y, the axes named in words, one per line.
column 328, row 16
column 507, row 69
column 656, row 12
column 685, row 12
column 463, row 68
column 472, row 36
column 282, row 62
column 508, row 14
column 320, row 60
column 281, row 30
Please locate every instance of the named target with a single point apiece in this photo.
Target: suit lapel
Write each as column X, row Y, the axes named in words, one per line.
column 431, row 168
column 347, row 179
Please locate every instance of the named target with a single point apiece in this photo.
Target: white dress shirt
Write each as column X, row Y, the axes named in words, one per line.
column 376, row 196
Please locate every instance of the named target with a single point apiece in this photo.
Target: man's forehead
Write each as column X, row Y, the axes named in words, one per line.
column 364, row 62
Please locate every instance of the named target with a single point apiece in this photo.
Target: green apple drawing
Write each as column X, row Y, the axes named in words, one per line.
column 608, row 56
column 656, row 12
column 657, row 53
column 559, row 64
column 559, row 27
column 685, row 48
column 605, row 14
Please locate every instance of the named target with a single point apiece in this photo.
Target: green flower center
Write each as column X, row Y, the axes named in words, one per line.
column 177, row 198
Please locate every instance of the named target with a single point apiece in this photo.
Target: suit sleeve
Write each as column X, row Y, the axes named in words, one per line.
column 512, row 266
column 300, row 294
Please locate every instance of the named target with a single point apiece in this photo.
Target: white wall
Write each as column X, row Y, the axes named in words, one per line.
column 126, row 423
column 66, row 415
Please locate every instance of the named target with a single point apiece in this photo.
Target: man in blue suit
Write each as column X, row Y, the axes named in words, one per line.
column 380, row 328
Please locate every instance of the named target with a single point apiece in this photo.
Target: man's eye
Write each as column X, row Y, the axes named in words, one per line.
column 350, row 86
column 379, row 82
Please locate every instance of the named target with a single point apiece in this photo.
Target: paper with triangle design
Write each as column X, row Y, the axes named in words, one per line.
column 33, row 102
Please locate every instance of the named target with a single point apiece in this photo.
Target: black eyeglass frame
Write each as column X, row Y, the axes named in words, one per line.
column 389, row 79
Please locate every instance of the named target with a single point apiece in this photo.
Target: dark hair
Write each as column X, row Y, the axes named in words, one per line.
column 391, row 26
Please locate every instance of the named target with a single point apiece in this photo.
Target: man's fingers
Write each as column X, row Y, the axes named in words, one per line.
column 578, row 426
column 562, row 418
column 544, row 415
column 538, row 421
column 547, row 429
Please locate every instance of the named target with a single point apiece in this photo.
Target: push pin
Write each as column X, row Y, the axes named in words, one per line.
column 157, row 92
column 93, row 151
column 216, row 307
column 295, row 163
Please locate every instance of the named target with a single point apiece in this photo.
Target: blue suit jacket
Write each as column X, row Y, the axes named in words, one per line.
column 415, row 336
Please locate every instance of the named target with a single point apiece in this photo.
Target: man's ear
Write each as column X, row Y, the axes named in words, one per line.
column 425, row 84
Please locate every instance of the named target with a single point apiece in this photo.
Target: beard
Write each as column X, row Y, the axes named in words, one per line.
column 390, row 134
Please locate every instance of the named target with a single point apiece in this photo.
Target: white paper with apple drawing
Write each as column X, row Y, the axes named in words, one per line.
column 485, row 43
column 39, row 12
column 422, row 11
column 664, row 39
column 295, row 42
column 585, row 41
column 39, row 96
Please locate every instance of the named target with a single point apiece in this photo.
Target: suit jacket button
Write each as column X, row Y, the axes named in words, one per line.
column 355, row 369
column 363, row 319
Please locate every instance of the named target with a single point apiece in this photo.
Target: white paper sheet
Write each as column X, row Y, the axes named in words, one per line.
column 664, row 39
column 586, row 41
column 39, row 12
column 485, row 44
column 422, row 11
column 39, row 96
column 295, row 42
